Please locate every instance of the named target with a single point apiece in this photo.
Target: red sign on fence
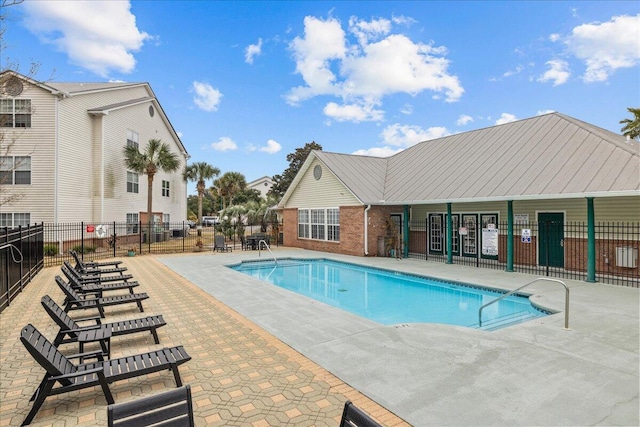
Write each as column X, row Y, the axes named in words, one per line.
column 90, row 229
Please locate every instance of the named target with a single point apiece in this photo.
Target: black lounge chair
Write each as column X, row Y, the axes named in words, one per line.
column 69, row 328
column 173, row 408
column 76, row 301
column 219, row 244
column 60, row 370
column 353, row 416
column 97, row 277
column 95, row 288
column 94, row 264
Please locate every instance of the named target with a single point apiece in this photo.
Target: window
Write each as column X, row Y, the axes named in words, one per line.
column 303, row 223
column 333, row 224
column 14, row 219
column 15, row 113
column 132, row 139
column 165, row 188
column 132, row 223
column 319, row 224
column 436, row 243
column 132, row 182
column 15, row 170
column 166, row 221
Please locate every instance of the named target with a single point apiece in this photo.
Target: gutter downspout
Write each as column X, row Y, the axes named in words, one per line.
column 366, row 230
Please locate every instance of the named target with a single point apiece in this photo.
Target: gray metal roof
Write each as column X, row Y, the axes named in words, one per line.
column 79, row 87
column 117, row 105
column 547, row 156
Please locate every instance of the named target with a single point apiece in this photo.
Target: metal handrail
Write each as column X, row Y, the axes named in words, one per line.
column 268, row 248
column 566, row 299
column 13, row 248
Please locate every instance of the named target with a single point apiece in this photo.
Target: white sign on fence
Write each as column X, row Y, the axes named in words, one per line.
column 526, row 235
column 490, row 241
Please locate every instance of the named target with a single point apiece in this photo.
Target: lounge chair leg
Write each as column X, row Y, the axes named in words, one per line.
column 40, row 386
column 42, row 395
column 155, row 336
column 101, row 310
column 176, row 375
column 105, row 388
column 140, row 306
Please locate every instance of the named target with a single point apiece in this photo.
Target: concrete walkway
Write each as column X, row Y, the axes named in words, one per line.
column 536, row 373
column 239, row 374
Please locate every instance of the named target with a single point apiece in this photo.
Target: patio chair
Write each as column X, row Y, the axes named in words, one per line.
column 60, row 370
column 170, row 408
column 96, row 277
column 94, row 268
column 95, row 288
column 219, row 244
column 76, row 301
column 94, row 264
column 69, row 328
column 244, row 243
column 353, row 416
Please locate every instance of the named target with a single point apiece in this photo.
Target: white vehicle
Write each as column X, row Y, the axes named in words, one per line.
column 208, row 221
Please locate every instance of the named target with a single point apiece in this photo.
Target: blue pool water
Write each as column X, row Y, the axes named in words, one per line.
column 390, row 297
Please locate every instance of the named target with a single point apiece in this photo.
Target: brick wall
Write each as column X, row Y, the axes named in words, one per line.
column 351, row 230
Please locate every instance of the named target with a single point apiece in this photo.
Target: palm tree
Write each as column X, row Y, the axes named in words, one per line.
column 631, row 127
column 228, row 185
column 200, row 172
column 156, row 157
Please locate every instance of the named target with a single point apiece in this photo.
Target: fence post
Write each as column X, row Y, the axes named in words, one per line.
column 510, row 236
column 449, row 235
column 591, row 242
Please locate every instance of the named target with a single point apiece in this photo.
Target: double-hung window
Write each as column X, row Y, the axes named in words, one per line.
column 132, row 223
column 132, row 182
column 165, row 188
column 15, row 170
column 15, row 113
column 303, row 223
column 132, row 138
column 14, row 219
column 319, row 224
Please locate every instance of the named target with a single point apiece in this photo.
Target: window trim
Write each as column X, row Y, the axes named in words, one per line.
column 165, row 189
column 322, row 224
column 23, row 112
column 14, row 169
column 135, row 186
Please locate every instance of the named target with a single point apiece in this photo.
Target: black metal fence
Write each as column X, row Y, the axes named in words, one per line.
column 21, row 257
column 119, row 239
column 556, row 249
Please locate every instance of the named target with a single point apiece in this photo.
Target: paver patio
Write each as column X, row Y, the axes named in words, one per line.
column 240, row 375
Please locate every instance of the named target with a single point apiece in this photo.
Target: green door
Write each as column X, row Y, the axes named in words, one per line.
column 551, row 239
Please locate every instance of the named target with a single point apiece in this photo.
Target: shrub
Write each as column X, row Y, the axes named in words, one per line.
column 51, row 250
column 87, row 249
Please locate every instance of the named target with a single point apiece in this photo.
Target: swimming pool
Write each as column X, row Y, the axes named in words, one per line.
column 389, row 297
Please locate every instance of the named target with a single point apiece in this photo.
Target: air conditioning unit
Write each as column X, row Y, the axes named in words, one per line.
column 626, row 256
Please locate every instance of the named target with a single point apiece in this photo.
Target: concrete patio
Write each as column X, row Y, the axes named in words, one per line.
column 266, row 356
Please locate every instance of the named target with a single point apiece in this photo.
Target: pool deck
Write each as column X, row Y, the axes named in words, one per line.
column 266, row 356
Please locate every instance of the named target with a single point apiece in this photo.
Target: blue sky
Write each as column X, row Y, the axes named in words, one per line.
column 246, row 83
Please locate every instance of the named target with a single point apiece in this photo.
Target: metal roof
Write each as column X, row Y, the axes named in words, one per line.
column 72, row 88
column 543, row 157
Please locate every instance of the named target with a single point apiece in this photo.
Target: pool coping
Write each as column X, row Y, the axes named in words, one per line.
column 535, row 373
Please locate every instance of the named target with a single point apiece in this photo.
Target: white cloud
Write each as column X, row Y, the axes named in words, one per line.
column 407, row 135
column 251, row 51
column 272, row 147
column 224, row 144
column 97, row 35
column 606, row 47
column 506, row 118
column 207, row 98
column 554, row 37
column 407, row 109
column 464, row 119
column 558, row 72
column 363, row 71
column 353, row 113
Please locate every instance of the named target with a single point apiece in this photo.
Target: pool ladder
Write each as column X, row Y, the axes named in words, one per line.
column 566, row 299
column 266, row 245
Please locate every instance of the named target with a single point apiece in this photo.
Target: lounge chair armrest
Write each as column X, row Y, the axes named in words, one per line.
column 86, row 319
column 99, row 371
column 88, row 355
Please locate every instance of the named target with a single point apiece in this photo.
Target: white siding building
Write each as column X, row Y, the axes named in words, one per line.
column 61, row 153
column 263, row 185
